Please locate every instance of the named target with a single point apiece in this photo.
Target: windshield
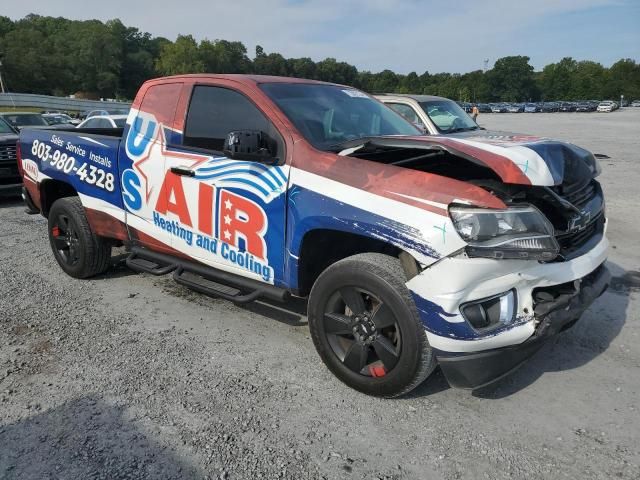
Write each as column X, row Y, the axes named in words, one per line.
column 4, row 127
column 328, row 115
column 447, row 116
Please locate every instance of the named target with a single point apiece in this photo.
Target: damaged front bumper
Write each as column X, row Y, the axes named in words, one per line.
column 474, row 370
column 550, row 298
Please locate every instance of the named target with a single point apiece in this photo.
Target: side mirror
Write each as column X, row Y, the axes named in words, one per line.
column 252, row 145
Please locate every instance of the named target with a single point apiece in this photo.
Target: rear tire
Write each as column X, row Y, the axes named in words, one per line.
column 78, row 251
column 366, row 328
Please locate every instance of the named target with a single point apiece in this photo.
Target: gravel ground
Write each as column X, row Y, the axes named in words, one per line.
column 133, row 376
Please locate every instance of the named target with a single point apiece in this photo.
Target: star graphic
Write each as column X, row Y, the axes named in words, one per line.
column 227, row 219
column 227, row 235
column 157, row 151
column 228, row 204
column 373, row 180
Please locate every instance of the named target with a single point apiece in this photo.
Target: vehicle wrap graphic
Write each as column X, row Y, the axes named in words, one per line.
column 252, row 219
column 89, row 165
column 224, row 213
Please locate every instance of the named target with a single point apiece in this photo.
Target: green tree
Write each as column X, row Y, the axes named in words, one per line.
column 511, row 79
column 181, row 56
column 222, row 56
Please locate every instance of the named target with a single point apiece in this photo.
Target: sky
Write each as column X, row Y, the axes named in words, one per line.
column 401, row 35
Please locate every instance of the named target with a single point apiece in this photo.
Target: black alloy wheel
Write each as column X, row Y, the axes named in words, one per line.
column 362, row 332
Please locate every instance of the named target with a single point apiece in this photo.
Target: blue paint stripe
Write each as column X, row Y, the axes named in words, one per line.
column 223, row 176
column 249, row 183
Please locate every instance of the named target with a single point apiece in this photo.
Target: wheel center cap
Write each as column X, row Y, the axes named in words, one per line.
column 364, row 329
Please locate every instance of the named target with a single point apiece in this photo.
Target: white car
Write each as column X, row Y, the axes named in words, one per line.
column 606, row 106
column 105, row 121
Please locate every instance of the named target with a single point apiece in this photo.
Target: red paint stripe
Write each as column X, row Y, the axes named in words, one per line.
column 389, row 181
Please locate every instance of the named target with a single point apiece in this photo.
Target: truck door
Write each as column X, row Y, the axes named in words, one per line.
column 142, row 164
column 227, row 213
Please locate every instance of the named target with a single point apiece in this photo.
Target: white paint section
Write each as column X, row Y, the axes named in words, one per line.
column 149, row 227
column 443, row 206
column 514, row 336
column 454, row 281
column 436, row 231
column 102, row 206
column 531, row 164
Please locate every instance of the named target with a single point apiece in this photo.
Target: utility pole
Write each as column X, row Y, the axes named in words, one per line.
column 1, row 82
column 486, row 65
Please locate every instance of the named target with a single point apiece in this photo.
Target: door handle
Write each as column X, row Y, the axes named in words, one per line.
column 184, row 171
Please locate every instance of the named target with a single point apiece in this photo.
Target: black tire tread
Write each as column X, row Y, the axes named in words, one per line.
column 390, row 270
column 98, row 249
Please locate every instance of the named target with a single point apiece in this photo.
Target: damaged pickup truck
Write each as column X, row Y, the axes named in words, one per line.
column 413, row 250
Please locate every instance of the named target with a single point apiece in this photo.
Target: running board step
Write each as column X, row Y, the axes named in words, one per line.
column 203, row 278
column 134, row 262
column 209, row 287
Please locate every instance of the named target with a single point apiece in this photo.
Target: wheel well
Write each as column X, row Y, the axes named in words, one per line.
column 321, row 248
column 52, row 190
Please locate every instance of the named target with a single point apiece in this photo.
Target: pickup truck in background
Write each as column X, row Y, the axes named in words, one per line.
column 413, row 250
column 10, row 179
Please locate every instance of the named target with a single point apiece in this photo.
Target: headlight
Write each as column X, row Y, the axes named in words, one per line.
column 517, row 232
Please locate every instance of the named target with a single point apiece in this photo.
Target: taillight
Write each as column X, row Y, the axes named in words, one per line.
column 19, row 158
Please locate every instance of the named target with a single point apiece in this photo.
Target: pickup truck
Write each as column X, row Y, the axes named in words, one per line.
column 414, row 251
column 10, row 179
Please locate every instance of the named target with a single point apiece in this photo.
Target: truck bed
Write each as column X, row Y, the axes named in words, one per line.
column 87, row 159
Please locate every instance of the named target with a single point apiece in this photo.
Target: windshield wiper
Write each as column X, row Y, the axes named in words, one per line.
column 463, row 129
column 354, row 142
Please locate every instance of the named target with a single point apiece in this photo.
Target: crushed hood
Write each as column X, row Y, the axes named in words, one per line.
column 543, row 161
column 516, row 159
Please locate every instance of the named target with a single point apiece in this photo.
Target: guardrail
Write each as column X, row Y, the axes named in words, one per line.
column 47, row 102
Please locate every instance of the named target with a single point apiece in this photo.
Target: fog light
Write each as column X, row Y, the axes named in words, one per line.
column 490, row 313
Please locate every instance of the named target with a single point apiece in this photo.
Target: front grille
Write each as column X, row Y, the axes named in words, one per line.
column 574, row 241
column 578, row 194
column 8, row 153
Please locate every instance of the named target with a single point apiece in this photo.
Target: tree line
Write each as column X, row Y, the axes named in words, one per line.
column 58, row 56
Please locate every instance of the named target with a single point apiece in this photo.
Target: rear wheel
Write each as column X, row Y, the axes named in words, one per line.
column 78, row 251
column 366, row 327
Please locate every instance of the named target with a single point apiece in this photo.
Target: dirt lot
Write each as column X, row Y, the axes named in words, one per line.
column 132, row 376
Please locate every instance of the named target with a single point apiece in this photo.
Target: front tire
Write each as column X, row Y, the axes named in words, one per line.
column 78, row 251
column 366, row 328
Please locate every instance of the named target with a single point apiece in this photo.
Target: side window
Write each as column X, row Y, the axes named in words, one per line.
column 406, row 111
column 214, row 112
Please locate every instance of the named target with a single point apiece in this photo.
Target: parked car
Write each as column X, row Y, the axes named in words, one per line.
column 499, row 108
column 10, row 179
column 635, row 103
column 413, row 250
column 607, row 106
column 567, row 107
column 585, row 107
column 19, row 120
column 99, row 112
column 484, row 108
column 549, row 107
column 532, row 108
column 434, row 115
column 104, row 121
column 60, row 119
column 515, row 107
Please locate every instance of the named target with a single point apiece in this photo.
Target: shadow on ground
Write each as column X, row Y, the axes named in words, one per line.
column 85, row 438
